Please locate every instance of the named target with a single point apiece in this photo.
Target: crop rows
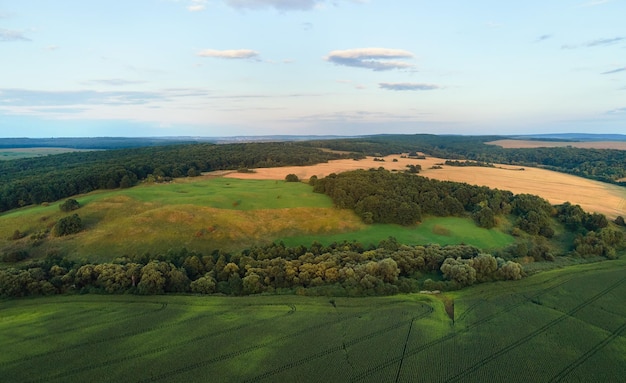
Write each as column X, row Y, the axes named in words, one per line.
column 393, row 360
column 344, row 346
column 533, row 334
column 203, row 337
column 128, row 334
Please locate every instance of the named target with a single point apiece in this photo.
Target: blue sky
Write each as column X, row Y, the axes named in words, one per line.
column 342, row 67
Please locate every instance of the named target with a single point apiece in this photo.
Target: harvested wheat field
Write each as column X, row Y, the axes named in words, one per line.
column 526, row 144
column 556, row 187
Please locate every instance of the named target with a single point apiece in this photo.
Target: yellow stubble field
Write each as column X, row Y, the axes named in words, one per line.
column 593, row 196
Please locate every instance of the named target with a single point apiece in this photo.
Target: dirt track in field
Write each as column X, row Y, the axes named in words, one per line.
column 556, row 187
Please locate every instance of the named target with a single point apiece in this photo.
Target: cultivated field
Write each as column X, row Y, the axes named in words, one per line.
column 514, row 144
column 556, row 187
column 13, row 154
column 559, row 326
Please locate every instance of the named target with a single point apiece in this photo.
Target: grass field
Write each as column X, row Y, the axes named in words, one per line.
column 444, row 231
column 559, row 326
column 14, row 154
column 218, row 213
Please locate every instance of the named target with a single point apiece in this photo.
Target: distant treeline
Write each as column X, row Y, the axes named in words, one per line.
column 46, row 179
column 93, row 142
column 607, row 165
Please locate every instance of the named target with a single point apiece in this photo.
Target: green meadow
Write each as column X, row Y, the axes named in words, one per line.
column 14, row 154
column 558, row 326
column 218, row 213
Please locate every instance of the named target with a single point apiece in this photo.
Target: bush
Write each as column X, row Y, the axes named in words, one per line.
column 68, row 225
column 69, row 205
column 14, row 256
column 292, row 178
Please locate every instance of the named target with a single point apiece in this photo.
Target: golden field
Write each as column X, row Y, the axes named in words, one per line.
column 593, row 196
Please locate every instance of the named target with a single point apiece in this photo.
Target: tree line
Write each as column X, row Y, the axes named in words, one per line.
column 340, row 269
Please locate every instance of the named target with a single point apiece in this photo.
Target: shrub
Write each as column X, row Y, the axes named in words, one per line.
column 69, row 205
column 292, row 178
column 68, row 225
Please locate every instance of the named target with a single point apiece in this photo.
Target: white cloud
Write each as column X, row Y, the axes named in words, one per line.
column 594, row 3
column 283, row 5
column 197, row 5
column 377, row 59
column 407, row 86
column 12, row 35
column 229, row 54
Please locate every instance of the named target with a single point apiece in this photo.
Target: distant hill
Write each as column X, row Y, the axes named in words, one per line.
column 136, row 142
column 573, row 137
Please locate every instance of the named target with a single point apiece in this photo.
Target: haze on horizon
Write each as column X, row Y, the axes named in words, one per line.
column 310, row 67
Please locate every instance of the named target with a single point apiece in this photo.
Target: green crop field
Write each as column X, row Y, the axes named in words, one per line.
column 17, row 153
column 558, row 326
column 219, row 213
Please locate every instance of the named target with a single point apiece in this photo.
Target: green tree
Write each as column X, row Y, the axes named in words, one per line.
column 68, row 225
column 69, row 205
column 291, row 178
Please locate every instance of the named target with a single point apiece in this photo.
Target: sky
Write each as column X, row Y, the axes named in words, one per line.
column 216, row 68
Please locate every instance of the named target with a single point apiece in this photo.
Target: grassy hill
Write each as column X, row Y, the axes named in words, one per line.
column 562, row 325
column 217, row 213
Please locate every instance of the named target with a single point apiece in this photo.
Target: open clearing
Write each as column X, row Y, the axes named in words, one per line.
column 593, row 196
column 558, row 326
column 525, row 144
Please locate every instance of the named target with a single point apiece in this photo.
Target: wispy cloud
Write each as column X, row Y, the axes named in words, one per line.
column 12, row 35
column 197, row 5
column 615, row 71
column 543, row 38
column 617, row 111
column 593, row 3
column 377, row 59
column 114, row 82
column 229, row 54
column 407, row 86
column 283, row 5
column 595, row 43
column 38, row 98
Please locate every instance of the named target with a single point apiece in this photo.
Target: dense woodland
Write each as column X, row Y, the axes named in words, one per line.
column 47, row 179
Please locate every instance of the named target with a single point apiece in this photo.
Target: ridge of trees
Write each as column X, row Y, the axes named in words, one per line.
column 46, row 179
column 345, row 269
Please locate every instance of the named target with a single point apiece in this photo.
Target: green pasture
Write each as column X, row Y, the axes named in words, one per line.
column 218, row 213
column 441, row 230
column 17, row 153
column 557, row 326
